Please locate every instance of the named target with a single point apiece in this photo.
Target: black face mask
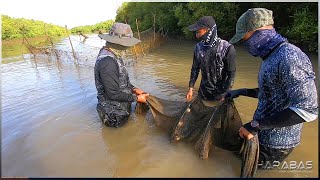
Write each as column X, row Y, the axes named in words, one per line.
column 210, row 37
column 204, row 36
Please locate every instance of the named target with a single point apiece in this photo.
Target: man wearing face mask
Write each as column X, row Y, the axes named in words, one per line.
column 115, row 92
column 286, row 92
column 215, row 58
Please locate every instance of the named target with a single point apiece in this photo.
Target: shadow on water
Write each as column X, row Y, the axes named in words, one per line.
column 50, row 127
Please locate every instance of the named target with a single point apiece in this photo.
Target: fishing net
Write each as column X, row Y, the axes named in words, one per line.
column 250, row 157
column 204, row 126
column 195, row 122
column 85, row 53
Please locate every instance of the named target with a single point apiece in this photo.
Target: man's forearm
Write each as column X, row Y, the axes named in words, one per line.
column 283, row 118
column 193, row 79
column 252, row 93
column 230, row 80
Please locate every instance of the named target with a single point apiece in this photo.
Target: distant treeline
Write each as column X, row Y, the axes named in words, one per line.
column 99, row 27
column 17, row 27
column 296, row 21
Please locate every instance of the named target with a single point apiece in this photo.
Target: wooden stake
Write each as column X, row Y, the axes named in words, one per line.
column 154, row 29
column 51, row 42
column 139, row 37
column 135, row 51
column 74, row 54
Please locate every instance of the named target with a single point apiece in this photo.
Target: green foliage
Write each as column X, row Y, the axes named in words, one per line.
column 17, row 27
column 304, row 29
column 296, row 21
column 175, row 17
column 145, row 13
column 223, row 13
column 99, row 27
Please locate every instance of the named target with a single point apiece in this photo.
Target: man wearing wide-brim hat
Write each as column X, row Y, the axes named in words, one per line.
column 287, row 95
column 114, row 90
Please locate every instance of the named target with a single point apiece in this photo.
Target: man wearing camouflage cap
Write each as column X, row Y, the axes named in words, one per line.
column 286, row 92
column 115, row 92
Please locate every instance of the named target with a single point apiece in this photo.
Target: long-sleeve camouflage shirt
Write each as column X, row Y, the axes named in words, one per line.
column 286, row 80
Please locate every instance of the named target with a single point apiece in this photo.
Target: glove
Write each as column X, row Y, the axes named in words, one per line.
column 236, row 93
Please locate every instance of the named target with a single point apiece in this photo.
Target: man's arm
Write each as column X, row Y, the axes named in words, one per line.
column 230, row 67
column 297, row 79
column 243, row 92
column 194, row 70
column 134, row 89
column 109, row 75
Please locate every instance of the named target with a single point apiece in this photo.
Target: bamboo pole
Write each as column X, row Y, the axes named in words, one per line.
column 74, row 54
column 28, row 45
column 135, row 51
column 154, row 29
column 52, row 45
column 30, row 48
column 81, row 34
column 139, row 37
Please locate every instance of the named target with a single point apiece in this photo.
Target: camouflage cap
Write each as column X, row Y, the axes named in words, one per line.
column 251, row 20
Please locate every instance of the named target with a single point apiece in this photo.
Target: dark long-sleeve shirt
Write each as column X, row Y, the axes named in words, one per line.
column 108, row 75
column 217, row 73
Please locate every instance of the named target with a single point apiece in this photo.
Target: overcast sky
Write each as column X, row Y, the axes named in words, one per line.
column 62, row 12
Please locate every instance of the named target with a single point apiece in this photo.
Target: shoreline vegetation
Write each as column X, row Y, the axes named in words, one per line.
column 297, row 21
column 18, row 28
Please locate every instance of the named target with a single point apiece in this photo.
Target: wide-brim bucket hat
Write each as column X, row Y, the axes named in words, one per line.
column 120, row 34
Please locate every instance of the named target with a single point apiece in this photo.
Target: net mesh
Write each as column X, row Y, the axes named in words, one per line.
column 82, row 51
column 204, row 126
column 250, row 157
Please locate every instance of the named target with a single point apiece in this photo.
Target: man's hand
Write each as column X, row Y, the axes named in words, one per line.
column 222, row 98
column 142, row 98
column 137, row 91
column 244, row 133
column 247, row 131
column 189, row 94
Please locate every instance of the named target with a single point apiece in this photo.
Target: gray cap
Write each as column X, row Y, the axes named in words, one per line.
column 251, row 20
column 120, row 34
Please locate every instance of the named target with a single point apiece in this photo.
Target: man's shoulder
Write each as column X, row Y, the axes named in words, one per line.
column 225, row 47
column 289, row 51
column 291, row 56
column 225, row 42
column 105, row 61
column 198, row 45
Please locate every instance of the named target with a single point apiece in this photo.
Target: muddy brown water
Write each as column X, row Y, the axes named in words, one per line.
column 50, row 127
